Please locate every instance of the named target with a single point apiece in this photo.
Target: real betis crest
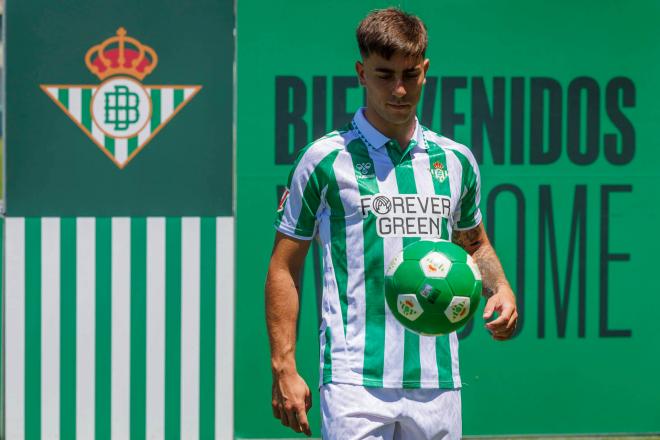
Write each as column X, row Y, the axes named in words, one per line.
column 121, row 115
column 439, row 172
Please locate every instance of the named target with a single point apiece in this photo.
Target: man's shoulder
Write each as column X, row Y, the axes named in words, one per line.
column 329, row 143
column 448, row 144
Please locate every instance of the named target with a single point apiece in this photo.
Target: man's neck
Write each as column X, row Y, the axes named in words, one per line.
column 402, row 133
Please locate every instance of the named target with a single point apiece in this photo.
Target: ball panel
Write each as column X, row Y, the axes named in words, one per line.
column 453, row 251
column 473, row 266
column 408, row 277
column 435, row 265
column 461, row 279
column 417, row 250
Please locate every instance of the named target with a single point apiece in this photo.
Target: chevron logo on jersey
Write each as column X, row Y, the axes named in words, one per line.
column 121, row 115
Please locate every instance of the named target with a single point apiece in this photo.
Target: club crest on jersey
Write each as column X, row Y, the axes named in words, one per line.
column 121, row 115
column 438, row 172
column 364, row 169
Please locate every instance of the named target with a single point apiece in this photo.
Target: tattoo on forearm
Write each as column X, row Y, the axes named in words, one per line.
column 475, row 242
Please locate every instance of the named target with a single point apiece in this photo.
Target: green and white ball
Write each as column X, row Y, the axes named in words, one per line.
column 433, row 287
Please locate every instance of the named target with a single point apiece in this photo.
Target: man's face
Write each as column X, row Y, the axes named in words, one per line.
column 393, row 88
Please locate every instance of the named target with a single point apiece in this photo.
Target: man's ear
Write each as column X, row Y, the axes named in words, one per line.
column 426, row 68
column 359, row 69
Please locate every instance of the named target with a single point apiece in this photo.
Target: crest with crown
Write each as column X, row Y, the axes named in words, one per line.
column 121, row 55
column 121, row 115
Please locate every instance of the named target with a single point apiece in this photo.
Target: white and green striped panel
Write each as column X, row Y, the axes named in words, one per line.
column 165, row 102
column 118, row 328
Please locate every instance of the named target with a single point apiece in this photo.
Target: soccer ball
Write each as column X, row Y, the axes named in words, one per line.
column 433, row 287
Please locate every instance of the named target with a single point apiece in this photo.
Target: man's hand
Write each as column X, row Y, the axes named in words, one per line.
column 291, row 401
column 504, row 303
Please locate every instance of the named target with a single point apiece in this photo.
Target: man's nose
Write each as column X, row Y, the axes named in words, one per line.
column 399, row 90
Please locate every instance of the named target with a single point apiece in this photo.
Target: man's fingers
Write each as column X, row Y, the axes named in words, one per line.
column 284, row 418
column 276, row 409
column 302, row 420
column 512, row 321
column 293, row 420
column 503, row 319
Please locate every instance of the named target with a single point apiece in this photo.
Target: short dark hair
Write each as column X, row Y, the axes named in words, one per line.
column 387, row 31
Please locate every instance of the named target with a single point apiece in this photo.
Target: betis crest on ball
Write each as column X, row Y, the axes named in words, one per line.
column 120, row 115
column 433, row 287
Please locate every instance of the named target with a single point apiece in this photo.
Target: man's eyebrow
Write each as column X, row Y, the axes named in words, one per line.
column 387, row 70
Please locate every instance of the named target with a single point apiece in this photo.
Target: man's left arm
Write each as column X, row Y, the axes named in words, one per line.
column 498, row 291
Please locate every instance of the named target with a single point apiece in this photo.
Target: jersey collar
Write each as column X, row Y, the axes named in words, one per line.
column 376, row 140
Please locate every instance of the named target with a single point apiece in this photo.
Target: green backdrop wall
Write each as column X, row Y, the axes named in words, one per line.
column 559, row 104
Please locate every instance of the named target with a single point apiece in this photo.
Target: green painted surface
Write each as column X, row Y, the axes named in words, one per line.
column 577, row 365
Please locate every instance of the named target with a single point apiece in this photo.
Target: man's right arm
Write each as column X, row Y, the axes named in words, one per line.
column 291, row 397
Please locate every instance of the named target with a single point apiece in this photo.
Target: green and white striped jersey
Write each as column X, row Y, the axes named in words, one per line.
column 365, row 199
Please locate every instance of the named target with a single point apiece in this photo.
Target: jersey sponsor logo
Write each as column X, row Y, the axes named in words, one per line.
column 438, row 172
column 407, row 215
column 283, row 199
column 121, row 115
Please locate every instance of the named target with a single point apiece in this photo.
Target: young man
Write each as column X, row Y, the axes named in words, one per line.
column 379, row 380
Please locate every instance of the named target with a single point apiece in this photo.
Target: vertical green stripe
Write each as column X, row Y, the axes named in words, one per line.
column 110, row 145
column 103, row 357
column 338, row 252
column 132, row 144
column 405, row 179
column 327, row 358
column 32, row 328
column 178, row 97
column 155, row 109
column 138, row 328
column 442, row 349
column 173, row 328
column 85, row 109
column 63, row 97
column 68, row 328
column 374, row 344
column 207, row 328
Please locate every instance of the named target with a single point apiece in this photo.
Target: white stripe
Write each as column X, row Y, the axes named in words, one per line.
column 224, row 336
column 14, row 332
column 155, row 412
column 121, row 150
column 53, row 92
column 190, row 313
column 166, row 103
column 75, row 97
column 50, row 326
column 143, row 135
column 427, row 344
column 394, row 331
column 97, row 134
column 331, row 307
column 121, row 330
column 453, row 347
column 187, row 93
column 355, row 312
column 85, row 325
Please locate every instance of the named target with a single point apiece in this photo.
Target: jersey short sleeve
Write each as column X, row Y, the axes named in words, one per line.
column 304, row 197
column 468, row 215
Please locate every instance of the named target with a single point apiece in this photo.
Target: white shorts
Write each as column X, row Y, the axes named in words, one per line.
column 352, row 412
